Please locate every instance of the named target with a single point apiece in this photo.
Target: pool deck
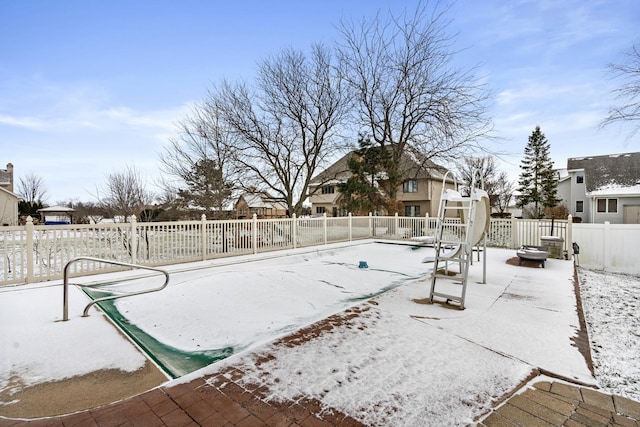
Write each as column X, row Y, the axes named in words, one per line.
column 226, row 395
column 216, row 401
column 224, row 399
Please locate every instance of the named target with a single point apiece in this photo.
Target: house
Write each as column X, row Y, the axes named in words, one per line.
column 261, row 204
column 602, row 188
column 8, row 199
column 419, row 193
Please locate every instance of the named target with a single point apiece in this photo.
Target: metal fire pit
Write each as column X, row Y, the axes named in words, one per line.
column 533, row 253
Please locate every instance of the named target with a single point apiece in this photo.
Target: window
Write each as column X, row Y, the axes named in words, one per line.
column 607, row 205
column 579, row 206
column 320, row 209
column 410, row 186
column 412, row 210
column 328, row 189
column 579, row 179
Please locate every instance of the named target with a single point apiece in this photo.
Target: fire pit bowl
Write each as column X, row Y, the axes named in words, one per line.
column 533, row 253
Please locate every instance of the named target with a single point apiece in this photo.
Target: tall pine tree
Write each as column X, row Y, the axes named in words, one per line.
column 537, row 183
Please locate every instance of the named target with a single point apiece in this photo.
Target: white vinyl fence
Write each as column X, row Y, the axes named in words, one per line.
column 609, row 247
column 34, row 253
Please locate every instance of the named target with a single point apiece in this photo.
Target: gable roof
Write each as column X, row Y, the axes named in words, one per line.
column 4, row 190
column 262, row 200
column 613, row 173
column 337, row 172
column 413, row 164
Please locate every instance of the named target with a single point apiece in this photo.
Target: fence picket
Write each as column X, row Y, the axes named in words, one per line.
column 32, row 253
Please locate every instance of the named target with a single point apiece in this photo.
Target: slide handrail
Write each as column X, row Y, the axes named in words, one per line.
column 65, row 284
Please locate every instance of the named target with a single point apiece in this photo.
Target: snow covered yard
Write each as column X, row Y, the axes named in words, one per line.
column 612, row 311
column 397, row 361
column 403, row 362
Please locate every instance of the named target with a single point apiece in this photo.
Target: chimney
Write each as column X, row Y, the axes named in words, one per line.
column 10, row 173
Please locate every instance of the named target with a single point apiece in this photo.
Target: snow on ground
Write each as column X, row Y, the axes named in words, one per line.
column 612, row 311
column 401, row 361
column 36, row 347
column 405, row 363
column 233, row 303
column 240, row 306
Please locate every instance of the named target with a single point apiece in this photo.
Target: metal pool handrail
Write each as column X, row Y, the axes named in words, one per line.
column 65, row 284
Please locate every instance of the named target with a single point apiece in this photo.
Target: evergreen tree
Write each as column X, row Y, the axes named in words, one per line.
column 206, row 188
column 537, row 183
column 361, row 192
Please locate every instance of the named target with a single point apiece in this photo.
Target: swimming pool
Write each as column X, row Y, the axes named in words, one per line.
column 208, row 314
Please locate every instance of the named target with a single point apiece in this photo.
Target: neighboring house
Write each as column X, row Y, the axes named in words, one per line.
column 602, row 188
column 8, row 199
column 419, row 193
column 261, row 204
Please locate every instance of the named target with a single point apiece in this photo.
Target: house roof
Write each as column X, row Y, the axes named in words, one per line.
column 262, row 200
column 4, row 190
column 563, row 174
column 337, row 172
column 413, row 164
column 609, row 174
column 57, row 209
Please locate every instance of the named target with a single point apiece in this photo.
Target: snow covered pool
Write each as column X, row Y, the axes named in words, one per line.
column 208, row 314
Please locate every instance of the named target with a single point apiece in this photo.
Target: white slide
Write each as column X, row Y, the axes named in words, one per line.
column 482, row 221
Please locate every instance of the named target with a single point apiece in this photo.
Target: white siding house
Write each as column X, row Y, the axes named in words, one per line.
column 604, row 188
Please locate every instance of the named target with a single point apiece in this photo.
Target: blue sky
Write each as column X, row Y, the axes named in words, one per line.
column 88, row 88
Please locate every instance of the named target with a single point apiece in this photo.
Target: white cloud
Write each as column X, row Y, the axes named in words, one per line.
column 22, row 122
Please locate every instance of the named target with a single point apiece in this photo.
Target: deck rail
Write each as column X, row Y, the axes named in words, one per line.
column 85, row 313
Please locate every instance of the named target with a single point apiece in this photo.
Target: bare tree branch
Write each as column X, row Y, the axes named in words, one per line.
column 204, row 145
column 628, row 93
column 406, row 90
column 32, row 189
column 287, row 126
column 125, row 194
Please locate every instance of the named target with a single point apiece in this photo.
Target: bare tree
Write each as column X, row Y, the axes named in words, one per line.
column 200, row 157
column 32, row 189
column 406, row 91
column 125, row 194
column 484, row 173
column 502, row 193
column 287, row 125
column 628, row 94
column 85, row 212
column 481, row 171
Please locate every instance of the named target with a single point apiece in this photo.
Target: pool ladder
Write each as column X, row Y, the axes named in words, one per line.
column 65, row 284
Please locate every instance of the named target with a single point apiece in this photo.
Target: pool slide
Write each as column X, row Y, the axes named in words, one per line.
column 482, row 221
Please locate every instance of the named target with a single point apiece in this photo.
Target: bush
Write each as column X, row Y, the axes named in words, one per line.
column 558, row 212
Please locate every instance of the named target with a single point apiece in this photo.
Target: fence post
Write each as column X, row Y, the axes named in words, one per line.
column 350, row 227
column 569, row 240
column 425, row 232
column 134, row 239
column 371, row 225
column 514, row 232
column 254, row 233
column 203, row 236
column 30, row 252
column 324, row 216
column 294, row 230
column 395, row 224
